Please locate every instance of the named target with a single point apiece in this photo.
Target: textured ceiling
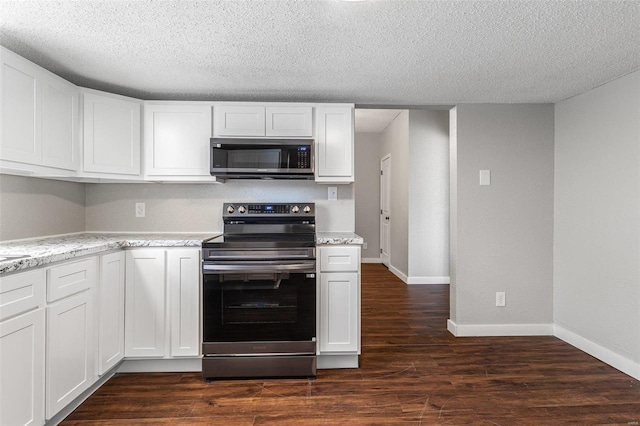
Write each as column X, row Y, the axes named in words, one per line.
column 373, row 52
column 374, row 120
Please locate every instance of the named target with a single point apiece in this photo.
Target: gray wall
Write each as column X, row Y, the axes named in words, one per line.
column 367, row 192
column 597, row 216
column 198, row 208
column 31, row 207
column 504, row 232
column 428, row 197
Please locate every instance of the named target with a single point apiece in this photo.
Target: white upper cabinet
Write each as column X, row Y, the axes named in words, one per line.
column 176, row 141
column 256, row 120
column 238, row 120
column 60, row 129
column 334, row 153
column 39, row 113
column 291, row 121
column 111, row 135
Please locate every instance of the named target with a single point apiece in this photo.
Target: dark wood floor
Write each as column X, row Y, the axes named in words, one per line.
column 412, row 372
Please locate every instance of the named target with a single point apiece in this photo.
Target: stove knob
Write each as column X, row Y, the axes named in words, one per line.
column 230, row 209
column 241, row 209
column 307, row 209
column 295, row 209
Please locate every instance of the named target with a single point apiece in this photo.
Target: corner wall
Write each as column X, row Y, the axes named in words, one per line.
column 597, row 222
column 503, row 232
column 33, row 207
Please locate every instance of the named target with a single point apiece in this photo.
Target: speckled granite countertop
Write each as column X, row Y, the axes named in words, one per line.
column 54, row 249
column 338, row 238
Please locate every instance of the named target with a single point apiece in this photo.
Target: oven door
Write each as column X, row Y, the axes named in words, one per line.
column 258, row 302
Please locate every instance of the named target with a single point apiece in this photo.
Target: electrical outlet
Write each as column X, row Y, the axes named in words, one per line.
column 140, row 209
column 501, row 298
column 364, row 246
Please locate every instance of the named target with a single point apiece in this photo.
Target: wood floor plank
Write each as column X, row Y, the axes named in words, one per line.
column 413, row 371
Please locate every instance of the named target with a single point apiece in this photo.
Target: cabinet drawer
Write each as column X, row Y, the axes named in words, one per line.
column 21, row 293
column 339, row 259
column 70, row 278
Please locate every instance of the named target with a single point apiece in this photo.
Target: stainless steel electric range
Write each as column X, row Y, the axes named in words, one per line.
column 259, row 293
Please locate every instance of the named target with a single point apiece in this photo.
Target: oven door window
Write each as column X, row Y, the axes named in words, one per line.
column 259, row 307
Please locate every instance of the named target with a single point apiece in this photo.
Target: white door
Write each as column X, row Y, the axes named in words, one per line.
column 144, row 303
column 111, row 305
column 183, row 281
column 385, row 207
column 22, row 369
column 111, row 135
column 177, row 140
column 338, row 312
column 59, row 124
column 20, row 109
column 334, row 153
column 70, row 358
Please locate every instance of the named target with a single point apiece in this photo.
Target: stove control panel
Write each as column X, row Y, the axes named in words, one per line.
column 268, row 209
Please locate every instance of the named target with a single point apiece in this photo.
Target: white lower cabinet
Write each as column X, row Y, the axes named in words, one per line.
column 111, row 311
column 22, row 369
column 144, row 303
column 70, row 350
column 183, row 272
column 339, row 312
column 70, row 353
column 153, row 328
column 339, row 300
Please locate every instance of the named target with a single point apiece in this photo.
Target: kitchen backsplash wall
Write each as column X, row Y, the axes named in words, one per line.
column 31, row 207
column 198, row 207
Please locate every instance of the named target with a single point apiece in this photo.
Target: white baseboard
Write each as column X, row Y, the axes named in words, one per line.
column 485, row 330
column 605, row 355
column 428, row 280
column 337, row 361
column 398, row 274
column 370, row 260
column 62, row 414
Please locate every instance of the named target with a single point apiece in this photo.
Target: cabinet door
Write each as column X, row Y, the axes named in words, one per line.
column 59, row 124
column 111, row 135
column 183, row 281
column 70, row 357
column 111, row 311
column 177, row 140
column 289, row 121
column 20, row 137
column 339, row 312
column 239, row 120
column 334, row 144
column 22, row 349
column 144, row 303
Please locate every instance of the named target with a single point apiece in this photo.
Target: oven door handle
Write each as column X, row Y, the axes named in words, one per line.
column 261, row 267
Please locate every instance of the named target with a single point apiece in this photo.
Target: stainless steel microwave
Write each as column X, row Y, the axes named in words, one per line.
column 262, row 158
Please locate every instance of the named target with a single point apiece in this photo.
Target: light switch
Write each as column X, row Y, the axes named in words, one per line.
column 333, row 193
column 485, row 177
